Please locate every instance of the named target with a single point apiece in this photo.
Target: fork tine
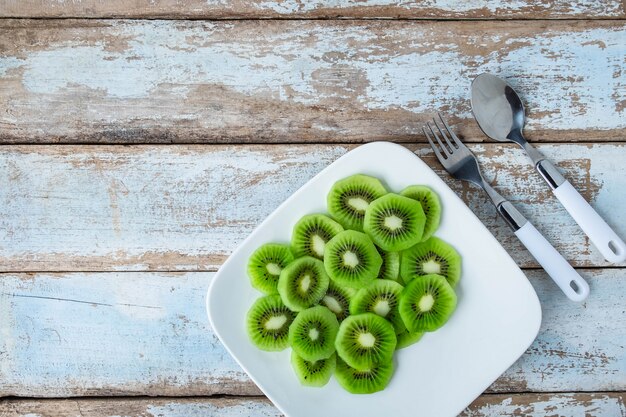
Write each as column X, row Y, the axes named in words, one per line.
column 454, row 138
column 443, row 147
column 452, row 147
column 432, row 145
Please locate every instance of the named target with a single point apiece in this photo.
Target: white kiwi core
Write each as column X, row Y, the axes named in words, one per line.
column 305, row 283
column 332, row 304
column 314, row 334
column 367, row 340
column 358, row 203
column 382, row 308
column 426, row 302
column 275, row 322
column 350, row 259
column 273, row 269
column 317, row 245
column 393, row 222
column 431, row 267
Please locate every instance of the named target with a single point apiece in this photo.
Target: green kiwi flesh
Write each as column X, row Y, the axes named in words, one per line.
column 266, row 264
column 394, row 222
column 368, row 381
column 407, row 338
column 427, row 303
column 315, row 373
column 351, row 259
column 430, row 204
column 312, row 333
column 381, row 297
column 433, row 256
column 303, row 283
column 365, row 340
column 337, row 299
column 348, row 198
column 311, row 234
column 390, row 268
column 268, row 322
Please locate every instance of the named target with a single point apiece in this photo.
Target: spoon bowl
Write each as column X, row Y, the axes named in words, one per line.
column 498, row 109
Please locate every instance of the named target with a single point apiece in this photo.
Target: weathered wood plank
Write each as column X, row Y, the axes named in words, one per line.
column 287, row 81
column 177, row 9
column 526, row 405
column 129, row 333
column 89, row 208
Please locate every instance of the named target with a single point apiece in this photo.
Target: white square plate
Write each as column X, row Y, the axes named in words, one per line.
column 497, row 317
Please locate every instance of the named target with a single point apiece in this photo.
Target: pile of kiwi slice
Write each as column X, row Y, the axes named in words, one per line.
column 355, row 285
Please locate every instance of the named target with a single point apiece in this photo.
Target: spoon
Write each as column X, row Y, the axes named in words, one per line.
column 499, row 112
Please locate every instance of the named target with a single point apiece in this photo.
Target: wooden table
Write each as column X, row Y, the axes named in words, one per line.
column 143, row 140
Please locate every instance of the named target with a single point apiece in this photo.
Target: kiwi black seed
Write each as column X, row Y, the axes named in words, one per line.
column 427, row 303
column 348, row 198
column 381, row 297
column 315, row 373
column 268, row 322
column 311, row 234
column 313, row 332
column 266, row 264
column 433, row 256
column 367, row 381
column 365, row 340
column 351, row 259
column 303, row 283
column 394, row 222
column 430, row 204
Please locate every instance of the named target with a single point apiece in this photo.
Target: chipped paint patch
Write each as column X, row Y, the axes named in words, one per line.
column 68, row 337
column 115, row 332
column 570, row 79
column 241, row 408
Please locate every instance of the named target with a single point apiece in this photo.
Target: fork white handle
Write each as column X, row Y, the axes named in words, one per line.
column 569, row 281
column 610, row 245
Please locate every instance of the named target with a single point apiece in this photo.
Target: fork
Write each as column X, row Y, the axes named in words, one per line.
column 462, row 164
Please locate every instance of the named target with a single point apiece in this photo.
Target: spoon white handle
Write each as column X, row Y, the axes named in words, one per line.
column 569, row 281
column 610, row 245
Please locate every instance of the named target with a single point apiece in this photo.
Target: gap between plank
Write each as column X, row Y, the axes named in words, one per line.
column 262, row 397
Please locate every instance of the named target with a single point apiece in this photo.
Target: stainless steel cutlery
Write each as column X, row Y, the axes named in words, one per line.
column 461, row 163
column 499, row 112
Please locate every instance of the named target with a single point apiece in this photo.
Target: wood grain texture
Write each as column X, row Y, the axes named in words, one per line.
column 236, row 9
column 526, row 405
column 290, row 81
column 138, row 333
column 186, row 207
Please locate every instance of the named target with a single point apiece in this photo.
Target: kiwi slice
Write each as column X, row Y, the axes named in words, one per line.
column 407, row 338
column 348, row 198
column 433, row 256
column 390, row 268
column 337, row 300
column 430, row 204
column 427, row 303
column 268, row 322
column 311, row 234
column 303, row 283
column 351, row 259
column 312, row 333
column 266, row 264
column 365, row 340
column 381, row 297
column 394, row 222
column 368, row 381
column 313, row 374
